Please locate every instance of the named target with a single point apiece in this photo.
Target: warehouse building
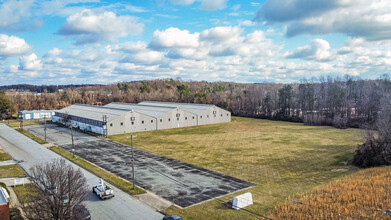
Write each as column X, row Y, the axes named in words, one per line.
column 166, row 116
column 119, row 118
column 35, row 114
column 205, row 113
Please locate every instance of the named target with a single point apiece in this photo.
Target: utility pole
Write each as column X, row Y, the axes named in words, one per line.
column 73, row 146
column 105, row 124
column 131, row 145
column 44, row 118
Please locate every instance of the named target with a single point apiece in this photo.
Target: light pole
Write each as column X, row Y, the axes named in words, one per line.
column 131, row 145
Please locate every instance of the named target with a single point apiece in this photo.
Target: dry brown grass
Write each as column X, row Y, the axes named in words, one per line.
column 363, row 195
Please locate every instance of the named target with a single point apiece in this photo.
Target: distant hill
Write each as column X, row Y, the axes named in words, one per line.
column 41, row 88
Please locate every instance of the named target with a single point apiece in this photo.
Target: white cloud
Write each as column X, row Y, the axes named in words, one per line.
column 13, row 46
column 247, row 23
column 53, row 52
column 360, row 18
column 221, row 34
column 30, row 62
column 91, row 27
column 212, row 5
column 318, row 49
column 173, row 37
column 13, row 11
column 131, row 46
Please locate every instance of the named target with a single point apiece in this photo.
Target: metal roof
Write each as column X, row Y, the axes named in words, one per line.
column 193, row 108
column 93, row 112
column 3, row 198
column 154, row 111
column 36, row 111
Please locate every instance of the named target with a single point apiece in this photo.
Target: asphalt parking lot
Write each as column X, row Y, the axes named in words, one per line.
column 180, row 183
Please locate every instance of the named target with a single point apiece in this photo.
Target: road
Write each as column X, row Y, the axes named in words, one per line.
column 30, row 153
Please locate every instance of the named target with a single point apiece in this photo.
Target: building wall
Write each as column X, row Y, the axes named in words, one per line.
column 214, row 115
column 123, row 124
column 4, row 212
column 35, row 115
column 177, row 118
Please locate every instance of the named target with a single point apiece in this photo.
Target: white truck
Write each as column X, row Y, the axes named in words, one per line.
column 102, row 190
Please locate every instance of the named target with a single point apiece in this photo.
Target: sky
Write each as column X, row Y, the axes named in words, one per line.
column 282, row 41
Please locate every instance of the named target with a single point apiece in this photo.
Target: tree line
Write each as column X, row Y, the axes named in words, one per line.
column 340, row 102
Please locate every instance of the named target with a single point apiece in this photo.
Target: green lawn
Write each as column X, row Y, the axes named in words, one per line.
column 22, row 191
column 11, row 171
column 16, row 123
column 4, row 156
column 284, row 159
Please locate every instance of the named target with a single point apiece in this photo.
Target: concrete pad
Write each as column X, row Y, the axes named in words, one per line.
column 154, row 201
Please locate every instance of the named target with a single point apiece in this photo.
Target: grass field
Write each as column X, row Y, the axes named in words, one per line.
column 16, row 123
column 3, row 155
column 22, row 191
column 284, row 159
column 363, row 195
column 11, row 171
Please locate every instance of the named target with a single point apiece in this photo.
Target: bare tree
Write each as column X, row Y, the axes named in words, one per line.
column 60, row 187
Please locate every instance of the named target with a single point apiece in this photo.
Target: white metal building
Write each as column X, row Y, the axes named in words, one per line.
column 206, row 113
column 35, row 114
column 119, row 118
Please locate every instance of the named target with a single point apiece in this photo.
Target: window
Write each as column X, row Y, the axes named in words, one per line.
column 227, row 114
column 132, row 118
column 122, row 123
column 215, row 116
column 169, row 119
column 214, row 112
column 221, row 115
column 207, row 116
column 177, row 119
column 142, row 122
column 201, row 116
column 132, row 122
column 111, row 124
column 161, row 120
column 177, row 115
column 185, row 118
column 151, row 121
column 193, row 117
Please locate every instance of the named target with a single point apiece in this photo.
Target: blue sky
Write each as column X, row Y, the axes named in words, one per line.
column 93, row 41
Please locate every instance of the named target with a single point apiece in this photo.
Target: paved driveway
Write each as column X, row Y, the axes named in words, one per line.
column 30, row 153
column 181, row 183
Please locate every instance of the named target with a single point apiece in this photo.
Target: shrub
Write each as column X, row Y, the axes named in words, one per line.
column 5, row 187
column 373, row 152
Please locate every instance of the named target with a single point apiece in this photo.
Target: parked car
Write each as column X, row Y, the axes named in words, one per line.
column 81, row 212
column 172, row 217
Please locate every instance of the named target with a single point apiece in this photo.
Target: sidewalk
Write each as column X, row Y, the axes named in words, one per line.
column 7, row 162
column 10, row 181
